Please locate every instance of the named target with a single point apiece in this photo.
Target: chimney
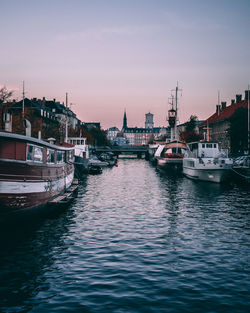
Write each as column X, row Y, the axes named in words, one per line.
column 238, row 98
column 27, row 125
column 232, row 101
column 218, row 109
column 223, row 105
column 247, row 95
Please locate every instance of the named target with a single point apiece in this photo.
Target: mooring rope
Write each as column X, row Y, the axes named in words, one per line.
column 247, row 177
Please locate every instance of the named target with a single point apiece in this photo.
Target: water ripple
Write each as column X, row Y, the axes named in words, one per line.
column 134, row 241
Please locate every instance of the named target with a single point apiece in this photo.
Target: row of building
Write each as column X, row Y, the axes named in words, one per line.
column 44, row 119
column 48, row 118
column 217, row 125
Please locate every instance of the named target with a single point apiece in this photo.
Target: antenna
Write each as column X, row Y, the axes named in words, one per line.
column 23, row 102
column 66, row 127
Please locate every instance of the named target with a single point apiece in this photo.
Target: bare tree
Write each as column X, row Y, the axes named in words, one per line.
column 5, row 94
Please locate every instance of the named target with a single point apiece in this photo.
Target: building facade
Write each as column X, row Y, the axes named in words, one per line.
column 217, row 125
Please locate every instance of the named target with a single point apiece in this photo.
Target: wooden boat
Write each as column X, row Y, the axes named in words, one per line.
column 32, row 172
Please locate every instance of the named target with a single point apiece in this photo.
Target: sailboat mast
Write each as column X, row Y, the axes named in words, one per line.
column 176, row 109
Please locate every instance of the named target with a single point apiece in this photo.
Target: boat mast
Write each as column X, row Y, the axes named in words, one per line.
column 66, row 126
column 175, row 136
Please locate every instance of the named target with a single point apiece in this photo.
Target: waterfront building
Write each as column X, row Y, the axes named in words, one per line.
column 217, row 125
column 40, row 119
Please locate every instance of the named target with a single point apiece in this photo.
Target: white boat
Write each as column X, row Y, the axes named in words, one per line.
column 81, row 154
column 205, row 161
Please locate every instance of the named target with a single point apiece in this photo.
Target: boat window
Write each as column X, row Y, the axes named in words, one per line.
column 34, row 153
column 29, row 155
column 50, row 156
column 59, row 156
column 209, row 145
column 215, row 145
column 203, row 145
column 71, row 155
column 174, row 150
column 190, row 163
column 38, row 154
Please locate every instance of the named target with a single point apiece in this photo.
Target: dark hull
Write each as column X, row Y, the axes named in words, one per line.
column 24, row 186
column 173, row 165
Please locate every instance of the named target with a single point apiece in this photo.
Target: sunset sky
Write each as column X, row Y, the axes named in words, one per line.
column 112, row 55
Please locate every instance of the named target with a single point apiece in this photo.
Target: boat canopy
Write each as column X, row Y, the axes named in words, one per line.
column 159, row 150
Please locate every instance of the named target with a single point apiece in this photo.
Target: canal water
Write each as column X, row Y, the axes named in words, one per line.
column 134, row 240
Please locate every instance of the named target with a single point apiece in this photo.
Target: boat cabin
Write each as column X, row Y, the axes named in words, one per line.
column 206, row 149
column 31, row 150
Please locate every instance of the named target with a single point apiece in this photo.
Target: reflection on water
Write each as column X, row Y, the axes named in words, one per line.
column 134, row 240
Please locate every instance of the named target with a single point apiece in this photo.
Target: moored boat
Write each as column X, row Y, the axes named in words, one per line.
column 32, row 172
column 205, row 161
column 241, row 168
column 171, row 156
column 81, row 155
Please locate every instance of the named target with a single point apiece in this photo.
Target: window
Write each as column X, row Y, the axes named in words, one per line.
column 203, row 145
column 50, row 156
column 209, row 145
column 29, row 155
column 60, row 156
column 38, row 154
column 71, row 155
column 215, row 145
column 34, row 153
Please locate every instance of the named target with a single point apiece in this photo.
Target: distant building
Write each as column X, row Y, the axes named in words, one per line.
column 182, row 127
column 112, row 134
column 141, row 136
column 149, row 120
column 125, row 125
column 93, row 125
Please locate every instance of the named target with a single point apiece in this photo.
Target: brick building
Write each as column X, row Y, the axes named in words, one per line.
column 218, row 123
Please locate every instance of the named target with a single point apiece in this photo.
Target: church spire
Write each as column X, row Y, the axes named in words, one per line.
column 124, row 121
